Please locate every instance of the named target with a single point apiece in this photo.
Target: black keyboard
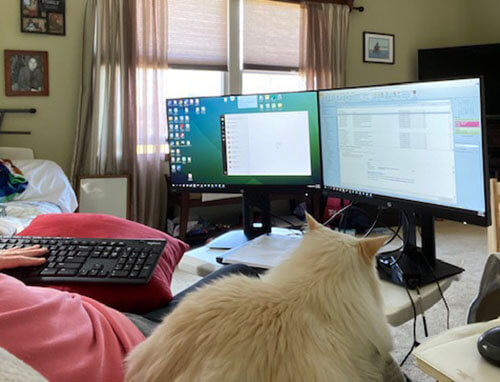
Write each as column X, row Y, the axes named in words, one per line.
column 117, row 261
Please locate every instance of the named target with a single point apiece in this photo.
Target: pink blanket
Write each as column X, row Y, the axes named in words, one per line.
column 64, row 336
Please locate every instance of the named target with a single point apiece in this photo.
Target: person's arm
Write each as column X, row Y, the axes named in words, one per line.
column 22, row 257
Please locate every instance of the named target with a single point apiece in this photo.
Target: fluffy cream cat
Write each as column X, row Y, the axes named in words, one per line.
column 316, row 317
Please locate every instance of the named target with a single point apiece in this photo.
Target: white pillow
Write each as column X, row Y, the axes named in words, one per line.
column 12, row 369
column 47, row 183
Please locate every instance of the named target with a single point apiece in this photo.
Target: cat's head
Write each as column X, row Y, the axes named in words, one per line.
column 329, row 259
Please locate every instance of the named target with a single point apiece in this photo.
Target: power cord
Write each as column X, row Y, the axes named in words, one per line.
column 337, row 214
column 441, row 293
column 375, row 221
column 415, row 343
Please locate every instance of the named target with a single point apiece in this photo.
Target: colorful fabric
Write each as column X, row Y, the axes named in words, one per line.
column 12, row 181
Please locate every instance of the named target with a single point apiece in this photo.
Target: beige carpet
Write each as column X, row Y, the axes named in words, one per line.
column 463, row 245
column 459, row 244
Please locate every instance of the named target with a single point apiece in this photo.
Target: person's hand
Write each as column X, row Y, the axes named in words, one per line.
column 22, row 257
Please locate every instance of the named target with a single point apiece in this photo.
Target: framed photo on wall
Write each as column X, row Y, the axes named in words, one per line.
column 43, row 16
column 378, row 48
column 26, row 73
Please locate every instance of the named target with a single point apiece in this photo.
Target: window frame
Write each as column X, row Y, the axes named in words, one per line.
column 233, row 77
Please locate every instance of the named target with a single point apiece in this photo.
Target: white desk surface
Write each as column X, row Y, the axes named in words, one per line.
column 398, row 308
column 453, row 355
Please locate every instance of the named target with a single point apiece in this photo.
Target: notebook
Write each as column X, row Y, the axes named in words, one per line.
column 265, row 251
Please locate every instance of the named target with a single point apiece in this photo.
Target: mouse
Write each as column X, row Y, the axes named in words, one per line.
column 488, row 345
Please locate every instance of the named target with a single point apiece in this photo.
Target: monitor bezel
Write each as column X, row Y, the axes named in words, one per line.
column 240, row 188
column 418, row 207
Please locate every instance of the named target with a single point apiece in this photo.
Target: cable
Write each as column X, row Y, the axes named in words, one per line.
column 424, row 320
column 405, row 241
column 337, row 214
column 440, row 292
column 396, row 233
column 370, row 230
column 415, row 343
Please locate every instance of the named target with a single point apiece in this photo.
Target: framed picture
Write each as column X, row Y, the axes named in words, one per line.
column 26, row 73
column 107, row 194
column 43, row 16
column 378, row 48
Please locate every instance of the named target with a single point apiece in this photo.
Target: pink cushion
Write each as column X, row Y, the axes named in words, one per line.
column 126, row 298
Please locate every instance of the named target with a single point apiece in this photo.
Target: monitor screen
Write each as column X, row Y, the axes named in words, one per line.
column 231, row 142
column 417, row 142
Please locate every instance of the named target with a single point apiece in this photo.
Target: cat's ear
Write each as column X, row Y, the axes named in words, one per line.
column 369, row 247
column 311, row 223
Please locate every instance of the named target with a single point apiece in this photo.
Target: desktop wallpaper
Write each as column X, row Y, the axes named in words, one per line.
column 194, row 135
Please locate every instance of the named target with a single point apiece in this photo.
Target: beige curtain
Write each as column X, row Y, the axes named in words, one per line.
column 120, row 128
column 323, row 45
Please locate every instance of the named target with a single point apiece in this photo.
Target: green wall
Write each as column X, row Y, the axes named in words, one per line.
column 415, row 24
column 53, row 126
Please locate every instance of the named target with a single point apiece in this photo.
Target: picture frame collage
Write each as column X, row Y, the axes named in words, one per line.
column 43, row 16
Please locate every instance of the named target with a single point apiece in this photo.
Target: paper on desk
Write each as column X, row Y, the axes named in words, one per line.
column 454, row 354
column 265, row 251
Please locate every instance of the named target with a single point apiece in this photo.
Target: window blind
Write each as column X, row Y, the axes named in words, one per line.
column 197, row 34
column 271, row 32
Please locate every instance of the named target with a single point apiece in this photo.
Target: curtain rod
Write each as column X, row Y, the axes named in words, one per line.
column 349, row 3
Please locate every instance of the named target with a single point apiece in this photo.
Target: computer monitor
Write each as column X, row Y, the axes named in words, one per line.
column 254, row 144
column 419, row 147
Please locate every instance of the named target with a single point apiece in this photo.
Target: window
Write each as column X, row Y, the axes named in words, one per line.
column 194, row 83
column 269, row 82
column 232, row 46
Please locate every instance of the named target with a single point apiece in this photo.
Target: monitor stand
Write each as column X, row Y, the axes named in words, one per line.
column 417, row 266
column 251, row 200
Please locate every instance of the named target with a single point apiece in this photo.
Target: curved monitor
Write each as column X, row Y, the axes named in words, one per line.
column 223, row 144
column 415, row 146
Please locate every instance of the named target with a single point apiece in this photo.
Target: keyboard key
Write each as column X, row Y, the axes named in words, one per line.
column 68, row 265
column 133, row 274
column 119, row 273
column 71, row 259
column 103, row 273
column 48, row 272
column 67, row 272
column 144, row 274
column 93, row 272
